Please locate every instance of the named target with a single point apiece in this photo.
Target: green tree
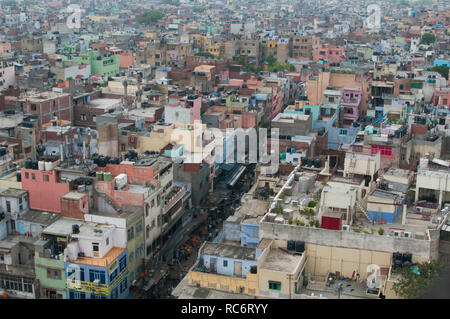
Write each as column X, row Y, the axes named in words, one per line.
column 416, row 280
column 441, row 69
column 271, row 59
column 428, row 38
column 151, row 17
column 381, row 231
column 206, row 54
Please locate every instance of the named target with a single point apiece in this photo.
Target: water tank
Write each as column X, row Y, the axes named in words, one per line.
column 18, row 176
column 253, row 269
column 107, row 177
column 100, row 176
column 290, row 245
column 35, row 165
column 41, row 165
column 75, row 229
column 299, row 246
column 29, row 163
column 305, row 183
column 48, row 166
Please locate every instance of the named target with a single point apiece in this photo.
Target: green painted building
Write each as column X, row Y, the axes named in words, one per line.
column 49, row 270
column 105, row 65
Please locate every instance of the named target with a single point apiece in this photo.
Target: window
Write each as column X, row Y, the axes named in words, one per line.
column 123, row 263
column 225, row 263
column 95, row 247
column 274, row 285
column 27, row 175
column 77, row 295
column 113, row 274
column 45, row 177
column 83, row 117
column 383, row 150
column 33, row 107
column 139, row 227
column 342, row 132
column 97, row 275
column 53, row 274
column 8, row 206
column 131, row 256
column 2, row 257
column 33, row 176
column 107, row 241
column 124, row 285
column 131, row 233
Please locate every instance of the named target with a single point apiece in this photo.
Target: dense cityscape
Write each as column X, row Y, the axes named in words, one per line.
column 235, row 149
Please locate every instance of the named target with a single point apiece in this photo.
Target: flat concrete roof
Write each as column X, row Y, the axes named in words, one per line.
column 94, row 229
column 229, row 251
column 13, row 192
column 39, row 217
column 74, row 195
column 184, row 291
column 62, row 227
column 279, row 260
column 105, row 103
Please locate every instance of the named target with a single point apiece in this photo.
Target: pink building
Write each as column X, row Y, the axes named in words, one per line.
column 45, row 187
column 350, row 101
column 186, row 111
column 328, row 52
column 442, row 98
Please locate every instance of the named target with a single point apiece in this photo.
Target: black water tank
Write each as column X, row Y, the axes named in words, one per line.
column 291, row 245
column 75, row 229
column 407, row 257
column 253, row 269
column 2, row 151
column 18, row 177
column 29, row 163
column 35, row 165
column 299, row 246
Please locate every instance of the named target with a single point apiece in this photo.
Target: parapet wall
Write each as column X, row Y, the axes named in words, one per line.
column 421, row 249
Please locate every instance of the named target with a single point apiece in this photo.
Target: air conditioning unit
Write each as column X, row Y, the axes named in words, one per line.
column 407, row 234
column 396, row 234
column 419, row 209
column 346, row 227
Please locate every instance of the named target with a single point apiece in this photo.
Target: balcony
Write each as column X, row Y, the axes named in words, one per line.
column 93, row 288
column 172, row 198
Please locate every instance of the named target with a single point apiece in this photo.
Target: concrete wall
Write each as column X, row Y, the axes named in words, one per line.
column 248, row 285
column 420, row 248
column 232, row 230
column 249, row 234
column 229, row 269
column 324, row 259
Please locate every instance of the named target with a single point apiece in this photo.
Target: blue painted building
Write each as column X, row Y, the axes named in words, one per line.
column 249, row 233
column 384, row 206
column 103, row 278
column 226, row 259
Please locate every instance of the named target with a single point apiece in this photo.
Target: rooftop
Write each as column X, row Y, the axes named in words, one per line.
column 105, row 261
column 279, row 260
column 13, row 192
column 62, row 227
column 40, row 217
column 229, row 251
